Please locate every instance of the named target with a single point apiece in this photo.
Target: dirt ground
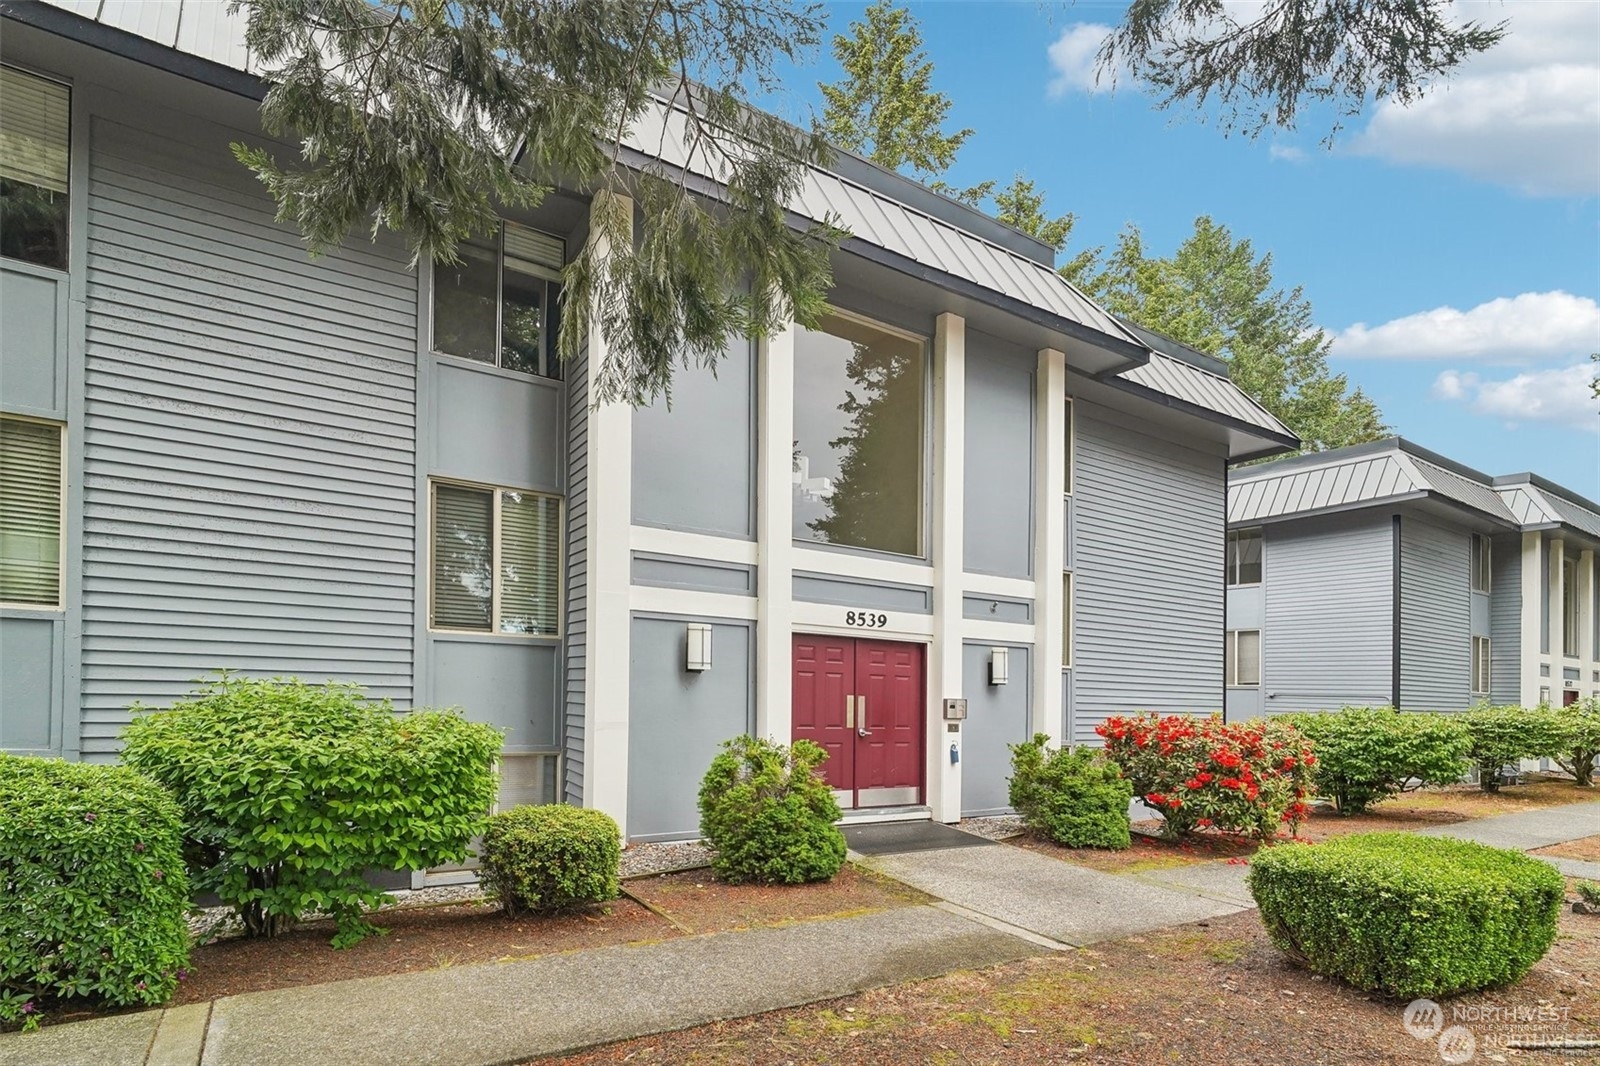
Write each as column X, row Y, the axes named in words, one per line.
column 1213, row 992
column 1586, row 848
column 696, row 903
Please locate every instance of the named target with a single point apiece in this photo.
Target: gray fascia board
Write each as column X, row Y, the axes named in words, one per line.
column 1279, row 442
column 118, row 42
column 1343, row 508
column 1262, row 453
column 1176, row 349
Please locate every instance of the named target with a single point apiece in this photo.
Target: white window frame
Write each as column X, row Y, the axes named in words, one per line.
column 1482, row 566
column 71, row 89
column 548, row 358
column 1231, row 562
column 1070, row 443
column 1481, row 667
column 1069, row 599
column 497, row 492
column 1230, row 653
column 61, row 525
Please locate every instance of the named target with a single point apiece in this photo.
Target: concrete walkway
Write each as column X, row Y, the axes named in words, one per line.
column 1535, row 829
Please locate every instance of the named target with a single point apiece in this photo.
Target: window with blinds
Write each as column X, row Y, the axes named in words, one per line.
column 1243, row 654
column 1480, row 666
column 35, row 135
column 30, row 512
column 496, row 565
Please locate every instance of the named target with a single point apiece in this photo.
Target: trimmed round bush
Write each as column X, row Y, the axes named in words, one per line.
column 1407, row 915
column 769, row 814
column 1076, row 797
column 93, row 892
column 550, row 858
column 291, row 792
column 1367, row 754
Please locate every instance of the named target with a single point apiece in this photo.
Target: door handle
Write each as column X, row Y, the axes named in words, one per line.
column 861, row 709
column 849, row 712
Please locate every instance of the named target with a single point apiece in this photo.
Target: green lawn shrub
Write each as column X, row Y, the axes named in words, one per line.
column 1078, row 798
column 93, row 893
column 1406, row 915
column 290, row 792
column 550, row 858
column 769, row 814
column 1578, row 735
column 1367, row 754
column 1502, row 736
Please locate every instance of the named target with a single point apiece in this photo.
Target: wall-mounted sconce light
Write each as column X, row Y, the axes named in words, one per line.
column 697, row 652
column 999, row 666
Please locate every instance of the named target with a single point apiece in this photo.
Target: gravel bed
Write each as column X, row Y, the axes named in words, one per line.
column 209, row 924
column 994, row 827
column 642, row 860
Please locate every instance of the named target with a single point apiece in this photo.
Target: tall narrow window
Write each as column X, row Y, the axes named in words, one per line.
column 1480, row 666
column 34, row 139
column 30, row 512
column 1480, row 563
column 1066, row 618
column 1242, row 649
column 1071, row 443
column 1244, row 557
column 500, row 304
column 496, row 561
column 1569, row 607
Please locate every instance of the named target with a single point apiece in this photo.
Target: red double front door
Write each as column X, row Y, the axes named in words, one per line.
column 863, row 701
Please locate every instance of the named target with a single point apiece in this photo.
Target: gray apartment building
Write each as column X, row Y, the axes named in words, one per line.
column 1387, row 574
column 220, row 453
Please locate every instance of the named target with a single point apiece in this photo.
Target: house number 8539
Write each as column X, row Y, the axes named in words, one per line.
column 865, row 619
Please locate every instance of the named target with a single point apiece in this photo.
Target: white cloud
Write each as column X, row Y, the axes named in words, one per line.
column 1532, row 326
column 1525, row 114
column 1287, row 153
column 1072, row 58
column 1560, row 395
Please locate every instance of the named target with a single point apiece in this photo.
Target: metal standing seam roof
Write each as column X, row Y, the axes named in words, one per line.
column 208, row 30
column 1534, row 505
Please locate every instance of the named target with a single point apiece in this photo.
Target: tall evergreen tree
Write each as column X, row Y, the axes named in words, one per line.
column 1021, row 206
column 1216, row 295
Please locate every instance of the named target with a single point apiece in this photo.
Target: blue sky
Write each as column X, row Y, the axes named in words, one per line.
column 1452, row 249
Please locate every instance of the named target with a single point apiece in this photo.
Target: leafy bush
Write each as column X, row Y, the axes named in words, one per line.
column 1408, row 915
column 1366, row 754
column 93, row 892
column 1578, row 733
column 1589, row 892
column 550, row 858
column 290, row 792
column 769, row 814
column 1503, row 735
column 1077, row 798
column 1244, row 777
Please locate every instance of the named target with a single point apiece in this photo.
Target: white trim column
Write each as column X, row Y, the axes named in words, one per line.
column 605, row 699
column 949, row 558
column 1586, row 622
column 1558, row 617
column 1049, row 547
column 775, row 536
column 1531, row 601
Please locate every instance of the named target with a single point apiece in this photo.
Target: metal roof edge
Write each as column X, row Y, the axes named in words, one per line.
column 1331, row 456
column 1340, row 508
column 1428, row 455
column 1176, row 349
column 1276, row 440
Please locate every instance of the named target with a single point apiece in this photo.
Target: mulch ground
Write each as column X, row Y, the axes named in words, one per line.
column 1587, row 849
column 1212, row 992
column 700, row 904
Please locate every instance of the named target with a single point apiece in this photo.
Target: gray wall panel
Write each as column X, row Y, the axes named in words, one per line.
column 999, row 459
column 1328, row 638
column 576, row 672
column 33, row 356
column 677, row 720
column 1246, row 607
column 997, row 716
column 694, row 462
column 1148, row 580
column 249, row 485
column 677, row 572
column 1244, row 703
column 497, row 428
column 996, row 608
column 1505, row 620
column 1435, row 617
column 30, row 651
column 1478, row 604
column 507, row 683
column 873, row 595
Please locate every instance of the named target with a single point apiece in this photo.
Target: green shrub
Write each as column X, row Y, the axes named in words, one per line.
column 1578, row 732
column 769, row 814
column 1076, row 798
column 93, row 892
column 550, row 858
column 1366, row 754
column 1408, row 915
column 1504, row 735
column 1589, row 892
column 290, row 792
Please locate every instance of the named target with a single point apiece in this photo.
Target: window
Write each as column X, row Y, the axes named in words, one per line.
column 859, row 397
column 1480, row 666
column 496, row 561
column 30, row 512
column 1569, row 607
column 1480, row 563
column 1243, row 651
column 1071, row 445
column 1066, row 618
column 1244, row 557
column 34, row 136
column 500, row 305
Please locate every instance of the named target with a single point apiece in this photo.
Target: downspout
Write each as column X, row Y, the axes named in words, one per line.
column 1394, row 628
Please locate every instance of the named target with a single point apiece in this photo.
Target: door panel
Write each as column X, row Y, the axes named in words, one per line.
column 824, row 674
column 889, row 759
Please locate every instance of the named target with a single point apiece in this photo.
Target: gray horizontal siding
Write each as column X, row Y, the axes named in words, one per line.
column 249, row 475
column 1328, row 637
column 1435, row 617
column 1148, row 574
column 575, row 677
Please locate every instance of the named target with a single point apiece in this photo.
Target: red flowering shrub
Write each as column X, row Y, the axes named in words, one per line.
column 1245, row 777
